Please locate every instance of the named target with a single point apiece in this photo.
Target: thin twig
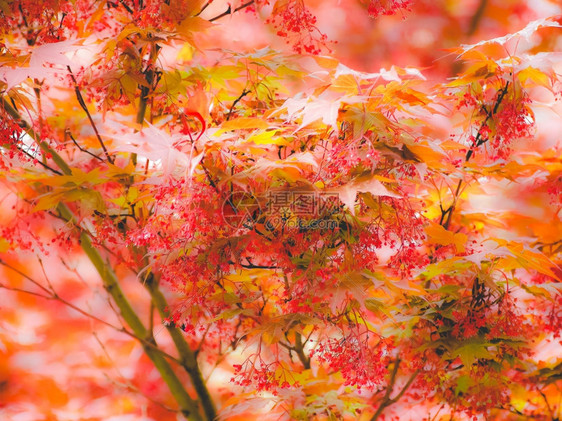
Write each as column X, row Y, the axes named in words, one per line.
column 202, row 341
column 45, row 275
column 550, row 411
column 54, row 296
column 67, row 133
column 126, row 7
column 25, row 276
column 35, row 160
column 230, row 11
column 126, row 383
column 203, row 8
column 82, row 103
column 236, row 101
column 11, row 109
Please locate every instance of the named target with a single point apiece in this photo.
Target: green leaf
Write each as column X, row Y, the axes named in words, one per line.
column 463, row 382
column 229, row 314
column 471, row 352
column 374, row 305
column 451, row 291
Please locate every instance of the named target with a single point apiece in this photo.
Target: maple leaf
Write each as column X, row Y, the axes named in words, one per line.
column 441, row 236
column 526, row 33
column 348, row 192
column 56, row 53
column 312, row 310
column 311, row 109
column 160, row 147
column 394, row 74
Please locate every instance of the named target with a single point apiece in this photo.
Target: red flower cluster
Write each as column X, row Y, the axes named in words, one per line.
column 297, row 24
column 262, row 375
column 503, row 116
column 513, row 120
column 378, row 8
column 362, row 363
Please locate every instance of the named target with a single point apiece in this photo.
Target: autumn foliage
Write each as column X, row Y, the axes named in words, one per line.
column 291, row 209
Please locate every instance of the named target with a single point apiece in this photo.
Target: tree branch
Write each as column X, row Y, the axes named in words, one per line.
column 299, row 349
column 111, row 283
column 230, row 11
column 82, row 103
column 387, row 400
column 477, row 17
column 188, row 359
column 478, row 141
column 44, row 146
column 187, row 356
column 188, row 406
column 56, row 297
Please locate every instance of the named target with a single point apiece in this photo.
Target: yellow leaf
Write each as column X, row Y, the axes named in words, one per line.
column 440, row 235
column 190, row 25
column 5, row 8
column 114, row 171
column 129, row 30
column 426, row 154
column 190, row 8
column 534, row 75
column 411, row 97
column 245, row 123
column 533, row 260
column 288, row 174
column 47, row 201
column 519, row 396
column 267, row 138
column 476, row 72
column 326, row 62
column 77, row 178
column 185, row 53
column 249, row 275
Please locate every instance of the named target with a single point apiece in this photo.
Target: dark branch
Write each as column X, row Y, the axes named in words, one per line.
column 236, row 101
column 82, row 103
column 230, row 11
column 67, row 132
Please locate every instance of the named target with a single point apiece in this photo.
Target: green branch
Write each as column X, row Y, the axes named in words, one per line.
column 188, row 406
column 187, row 356
column 44, row 146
